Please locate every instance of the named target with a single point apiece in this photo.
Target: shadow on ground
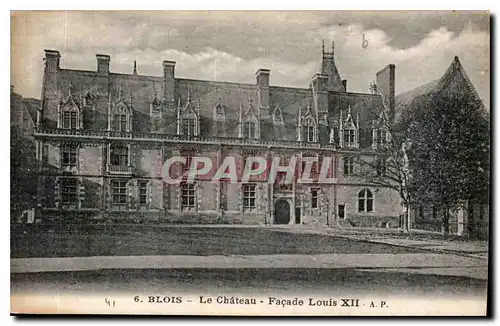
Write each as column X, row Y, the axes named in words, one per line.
column 263, row 281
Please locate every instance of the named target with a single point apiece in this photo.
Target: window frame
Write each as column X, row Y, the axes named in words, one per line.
column 143, row 186
column 70, row 119
column 119, row 191
column 120, row 122
column 119, row 156
column 188, row 196
column 250, row 129
column 69, row 155
column 189, row 126
column 71, row 198
column 366, row 201
column 249, row 196
column 348, row 165
column 314, row 198
column 349, row 137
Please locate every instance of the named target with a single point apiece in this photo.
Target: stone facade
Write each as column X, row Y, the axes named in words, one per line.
column 103, row 137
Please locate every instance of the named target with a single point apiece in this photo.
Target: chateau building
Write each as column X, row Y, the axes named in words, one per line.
column 103, row 137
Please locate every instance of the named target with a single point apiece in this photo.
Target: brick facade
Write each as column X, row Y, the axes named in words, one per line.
column 126, row 126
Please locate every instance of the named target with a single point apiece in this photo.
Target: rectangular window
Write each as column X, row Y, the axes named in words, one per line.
column 249, row 195
column 349, row 137
column 119, row 155
column 120, row 122
column 189, row 126
column 69, row 191
column 70, row 119
column 69, row 156
column 342, row 212
column 348, row 165
column 188, row 195
column 381, row 137
column 143, row 192
column 119, row 192
column 314, row 198
column 249, row 129
column 308, row 133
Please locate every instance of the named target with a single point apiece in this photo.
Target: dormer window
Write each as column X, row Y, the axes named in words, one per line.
column 349, row 131
column 189, row 126
column 381, row 137
column 188, row 123
column 307, row 126
column 70, row 119
column 120, row 122
column 120, row 115
column 249, row 130
column 309, row 133
column 277, row 117
column 350, row 138
column 249, row 123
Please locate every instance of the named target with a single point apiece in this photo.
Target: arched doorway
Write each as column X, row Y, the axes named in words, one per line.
column 281, row 212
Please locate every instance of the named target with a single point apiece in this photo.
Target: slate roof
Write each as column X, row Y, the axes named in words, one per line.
column 455, row 76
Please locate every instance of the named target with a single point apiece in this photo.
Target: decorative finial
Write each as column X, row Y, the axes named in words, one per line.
column 135, row 67
column 333, row 47
column 70, row 88
column 250, row 101
column 349, row 110
column 323, row 46
column 189, row 96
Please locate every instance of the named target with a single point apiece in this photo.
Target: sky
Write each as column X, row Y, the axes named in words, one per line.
column 232, row 46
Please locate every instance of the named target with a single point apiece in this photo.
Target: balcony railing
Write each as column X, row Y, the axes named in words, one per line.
column 119, row 169
column 156, row 137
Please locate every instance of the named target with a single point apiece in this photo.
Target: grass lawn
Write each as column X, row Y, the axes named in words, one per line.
column 137, row 240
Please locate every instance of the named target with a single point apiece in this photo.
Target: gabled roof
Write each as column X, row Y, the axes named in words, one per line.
column 455, row 75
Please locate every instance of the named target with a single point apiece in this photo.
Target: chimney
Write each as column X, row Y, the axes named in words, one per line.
column 344, row 82
column 169, row 81
column 103, row 64
column 386, row 85
column 263, row 77
column 263, row 87
column 52, row 59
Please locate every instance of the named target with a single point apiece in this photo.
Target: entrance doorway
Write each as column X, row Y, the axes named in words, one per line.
column 281, row 212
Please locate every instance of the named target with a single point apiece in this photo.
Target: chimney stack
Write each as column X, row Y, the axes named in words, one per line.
column 103, row 64
column 52, row 59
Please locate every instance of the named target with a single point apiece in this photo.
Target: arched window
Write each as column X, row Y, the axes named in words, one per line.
column 365, row 201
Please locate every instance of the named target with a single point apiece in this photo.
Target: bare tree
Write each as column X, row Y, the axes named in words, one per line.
column 387, row 165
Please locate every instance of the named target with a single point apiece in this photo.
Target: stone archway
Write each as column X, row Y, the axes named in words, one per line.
column 281, row 212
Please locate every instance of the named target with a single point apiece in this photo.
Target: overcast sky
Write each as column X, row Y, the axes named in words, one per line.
column 231, row 46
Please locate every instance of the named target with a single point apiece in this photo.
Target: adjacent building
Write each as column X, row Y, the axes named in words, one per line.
column 473, row 218
column 103, row 137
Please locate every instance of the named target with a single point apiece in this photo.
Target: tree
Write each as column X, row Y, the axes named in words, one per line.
column 23, row 169
column 449, row 152
column 388, row 166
